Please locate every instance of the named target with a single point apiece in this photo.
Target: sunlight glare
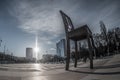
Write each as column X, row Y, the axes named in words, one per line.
column 36, row 49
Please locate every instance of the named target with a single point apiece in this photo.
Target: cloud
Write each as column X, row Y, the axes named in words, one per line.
column 52, row 49
column 49, row 42
column 37, row 19
column 43, row 17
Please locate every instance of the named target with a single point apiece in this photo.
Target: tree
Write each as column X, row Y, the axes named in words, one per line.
column 104, row 34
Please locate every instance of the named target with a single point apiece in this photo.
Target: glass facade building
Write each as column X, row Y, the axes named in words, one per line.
column 60, row 46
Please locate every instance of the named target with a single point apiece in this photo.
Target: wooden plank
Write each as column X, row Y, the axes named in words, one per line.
column 90, row 53
column 76, row 54
column 68, row 54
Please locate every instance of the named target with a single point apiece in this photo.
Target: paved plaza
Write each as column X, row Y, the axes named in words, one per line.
column 104, row 69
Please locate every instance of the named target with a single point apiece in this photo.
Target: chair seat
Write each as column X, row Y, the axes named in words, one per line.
column 79, row 33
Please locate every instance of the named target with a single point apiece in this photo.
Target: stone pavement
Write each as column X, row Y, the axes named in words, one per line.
column 108, row 71
column 104, row 69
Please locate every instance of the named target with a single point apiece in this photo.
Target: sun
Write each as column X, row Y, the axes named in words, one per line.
column 36, row 49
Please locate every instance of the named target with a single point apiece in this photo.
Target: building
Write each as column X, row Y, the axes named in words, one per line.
column 29, row 53
column 60, row 48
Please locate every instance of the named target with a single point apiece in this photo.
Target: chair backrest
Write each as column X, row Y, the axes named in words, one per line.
column 88, row 31
column 67, row 22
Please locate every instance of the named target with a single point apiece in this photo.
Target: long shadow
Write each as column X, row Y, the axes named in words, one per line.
column 49, row 68
column 99, row 67
column 108, row 66
column 97, row 73
column 104, row 67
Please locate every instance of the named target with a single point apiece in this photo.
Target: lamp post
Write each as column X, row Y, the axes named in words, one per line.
column 4, row 49
column 0, row 46
column 0, row 42
column 116, row 42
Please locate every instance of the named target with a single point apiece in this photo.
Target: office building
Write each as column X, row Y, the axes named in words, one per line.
column 60, row 48
column 29, row 53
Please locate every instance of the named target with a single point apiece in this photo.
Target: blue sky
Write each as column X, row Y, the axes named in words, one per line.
column 21, row 20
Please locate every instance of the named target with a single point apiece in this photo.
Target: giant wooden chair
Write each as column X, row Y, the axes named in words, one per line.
column 77, row 34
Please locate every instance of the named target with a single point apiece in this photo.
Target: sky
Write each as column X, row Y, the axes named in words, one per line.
column 22, row 20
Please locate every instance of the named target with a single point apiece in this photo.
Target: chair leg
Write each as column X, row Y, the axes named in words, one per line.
column 93, row 45
column 68, row 54
column 90, row 53
column 76, row 54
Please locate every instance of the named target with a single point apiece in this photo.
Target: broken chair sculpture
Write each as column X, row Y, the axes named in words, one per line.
column 77, row 34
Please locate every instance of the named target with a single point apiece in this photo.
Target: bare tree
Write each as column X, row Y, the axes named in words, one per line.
column 104, row 34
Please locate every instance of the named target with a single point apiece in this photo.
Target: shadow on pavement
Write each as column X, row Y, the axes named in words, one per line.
column 108, row 66
column 97, row 73
column 99, row 67
column 104, row 67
